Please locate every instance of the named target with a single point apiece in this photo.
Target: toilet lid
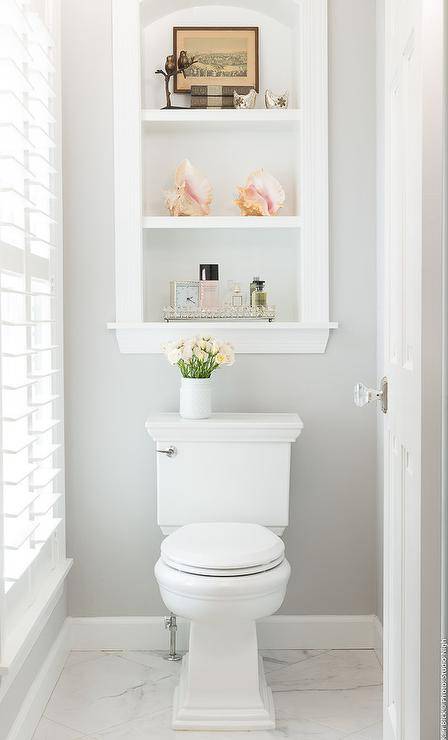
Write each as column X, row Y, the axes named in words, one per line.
column 222, row 549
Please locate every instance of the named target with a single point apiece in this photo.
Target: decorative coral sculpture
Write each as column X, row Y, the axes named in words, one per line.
column 262, row 195
column 192, row 195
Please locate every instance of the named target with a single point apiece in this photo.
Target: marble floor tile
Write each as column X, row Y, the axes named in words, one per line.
column 336, row 669
column 369, row 733
column 345, row 710
column 319, row 695
column 82, row 656
column 155, row 661
column 95, row 695
column 275, row 659
column 48, row 730
column 158, row 728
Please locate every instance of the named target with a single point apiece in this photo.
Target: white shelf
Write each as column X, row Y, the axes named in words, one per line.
column 189, row 115
column 292, row 143
column 222, row 222
column 284, row 337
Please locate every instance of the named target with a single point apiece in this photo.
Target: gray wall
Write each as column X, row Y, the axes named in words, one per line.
column 112, row 531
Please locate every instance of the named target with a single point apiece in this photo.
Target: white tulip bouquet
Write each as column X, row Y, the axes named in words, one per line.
column 199, row 356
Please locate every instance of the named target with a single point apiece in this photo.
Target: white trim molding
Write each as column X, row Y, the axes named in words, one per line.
column 279, row 632
column 28, row 628
column 40, row 691
column 378, row 638
column 278, row 337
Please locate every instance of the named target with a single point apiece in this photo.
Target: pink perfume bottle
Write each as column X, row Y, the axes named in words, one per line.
column 209, row 286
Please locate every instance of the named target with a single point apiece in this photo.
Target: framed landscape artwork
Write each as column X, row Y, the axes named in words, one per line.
column 225, row 56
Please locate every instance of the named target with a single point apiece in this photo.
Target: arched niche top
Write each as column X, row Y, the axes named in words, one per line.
column 283, row 11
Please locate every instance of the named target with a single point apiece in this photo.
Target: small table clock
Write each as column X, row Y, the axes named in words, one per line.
column 184, row 295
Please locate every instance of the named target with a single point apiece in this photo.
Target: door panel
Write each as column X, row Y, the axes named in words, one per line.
column 402, row 343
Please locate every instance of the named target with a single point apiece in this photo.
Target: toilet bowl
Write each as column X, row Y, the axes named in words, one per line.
column 223, row 500
column 223, row 577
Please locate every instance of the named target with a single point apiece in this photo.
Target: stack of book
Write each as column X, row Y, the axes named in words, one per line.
column 215, row 96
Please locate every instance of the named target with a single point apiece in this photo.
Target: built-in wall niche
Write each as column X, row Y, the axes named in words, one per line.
column 278, row 53
column 241, row 255
column 226, row 154
column 289, row 251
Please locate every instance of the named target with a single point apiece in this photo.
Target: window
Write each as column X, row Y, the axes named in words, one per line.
column 32, row 556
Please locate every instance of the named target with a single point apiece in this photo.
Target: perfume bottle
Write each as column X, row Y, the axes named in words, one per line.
column 259, row 296
column 237, row 296
column 252, row 288
column 209, row 286
column 229, row 293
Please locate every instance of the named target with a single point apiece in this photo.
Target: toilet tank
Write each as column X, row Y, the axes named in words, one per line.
column 228, row 468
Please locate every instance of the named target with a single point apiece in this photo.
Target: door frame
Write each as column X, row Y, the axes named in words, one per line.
column 433, row 260
column 434, row 300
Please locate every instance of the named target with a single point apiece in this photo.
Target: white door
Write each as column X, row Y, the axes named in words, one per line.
column 402, row 367
column 410, row 120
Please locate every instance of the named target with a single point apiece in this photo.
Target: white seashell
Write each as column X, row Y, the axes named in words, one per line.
column 245, row 101
column 276, row 101
column 193, row 193
column 261, row 196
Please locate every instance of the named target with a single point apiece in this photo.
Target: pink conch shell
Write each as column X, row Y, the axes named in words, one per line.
column 262, row 195
column 193, row 193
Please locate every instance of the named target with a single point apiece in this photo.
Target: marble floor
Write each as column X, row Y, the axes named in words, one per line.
column 318, row 694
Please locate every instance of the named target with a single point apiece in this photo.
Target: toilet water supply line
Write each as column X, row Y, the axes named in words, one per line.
column 171, row 625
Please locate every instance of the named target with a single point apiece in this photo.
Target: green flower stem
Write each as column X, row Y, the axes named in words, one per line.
column 195, row 368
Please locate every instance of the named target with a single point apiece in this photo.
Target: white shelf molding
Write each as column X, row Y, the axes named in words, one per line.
column 307, row 22
column 314, row 289
column 203, row 115
column 127, row 160
column 222, row 222
column 247, row 338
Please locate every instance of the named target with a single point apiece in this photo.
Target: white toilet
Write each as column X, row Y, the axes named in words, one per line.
column 223, row 499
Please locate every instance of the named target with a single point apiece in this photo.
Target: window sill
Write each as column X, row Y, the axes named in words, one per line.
column 20, row 642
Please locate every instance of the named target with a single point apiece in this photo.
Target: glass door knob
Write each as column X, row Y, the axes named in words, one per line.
column 363, row 395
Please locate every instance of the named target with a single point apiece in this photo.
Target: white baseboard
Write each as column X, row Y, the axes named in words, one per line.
column 378, row 638
column 274, row 633
column 37, row 697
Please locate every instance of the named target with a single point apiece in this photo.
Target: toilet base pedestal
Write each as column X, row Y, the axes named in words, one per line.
column 222, row 683
column 187, row 717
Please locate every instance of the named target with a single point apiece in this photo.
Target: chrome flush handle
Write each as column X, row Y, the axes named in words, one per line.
column 170, row 452
column 363, row 395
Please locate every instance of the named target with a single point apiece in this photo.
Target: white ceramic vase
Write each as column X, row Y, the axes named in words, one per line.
column 195, row 398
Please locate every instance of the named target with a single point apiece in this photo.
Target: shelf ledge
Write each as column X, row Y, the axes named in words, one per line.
column 285, row 337
column 222, row 222
column 215, row 115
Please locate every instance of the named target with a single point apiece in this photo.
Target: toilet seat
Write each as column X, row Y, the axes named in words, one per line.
column 220, row 549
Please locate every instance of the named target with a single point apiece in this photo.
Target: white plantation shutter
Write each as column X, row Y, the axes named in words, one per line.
column 32, row 553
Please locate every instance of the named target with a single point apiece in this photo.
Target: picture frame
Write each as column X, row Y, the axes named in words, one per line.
column 227, row 55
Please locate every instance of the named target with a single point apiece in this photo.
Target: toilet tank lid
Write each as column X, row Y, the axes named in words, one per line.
column 222, row 545
column 271, row 427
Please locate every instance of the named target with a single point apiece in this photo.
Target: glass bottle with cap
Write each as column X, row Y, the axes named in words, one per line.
column 237, row 296
column 252, row 288
column 259, row 295
column 209, row 286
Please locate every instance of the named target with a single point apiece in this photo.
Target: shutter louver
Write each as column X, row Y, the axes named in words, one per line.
column 32, row 500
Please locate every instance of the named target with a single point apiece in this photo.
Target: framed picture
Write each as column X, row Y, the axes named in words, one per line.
column 225, row 56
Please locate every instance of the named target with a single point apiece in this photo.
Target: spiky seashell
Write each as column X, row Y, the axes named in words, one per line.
column 276, row 101
column 245, row 101
column 262, row 195
column 193, row 193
